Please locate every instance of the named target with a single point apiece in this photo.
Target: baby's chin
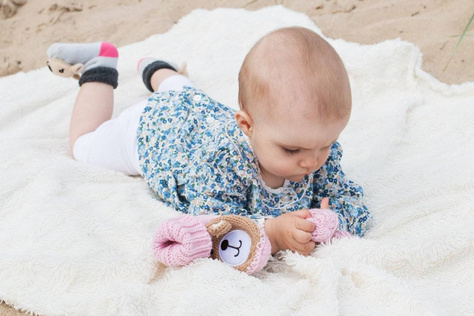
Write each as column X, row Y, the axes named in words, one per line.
column 295, row 178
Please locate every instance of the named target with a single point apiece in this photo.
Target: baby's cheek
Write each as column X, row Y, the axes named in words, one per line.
column 322, row 160
column 282, row 166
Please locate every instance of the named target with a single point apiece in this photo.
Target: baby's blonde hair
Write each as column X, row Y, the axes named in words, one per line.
column 297, row 64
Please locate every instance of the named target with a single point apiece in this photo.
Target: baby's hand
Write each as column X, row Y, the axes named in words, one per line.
column 291, row 231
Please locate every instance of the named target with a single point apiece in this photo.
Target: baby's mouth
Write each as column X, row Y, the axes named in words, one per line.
column 298, row 177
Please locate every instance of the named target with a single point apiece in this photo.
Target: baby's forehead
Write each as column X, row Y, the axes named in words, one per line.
column 293, row 114
column 304, row 132
column 296, row 99
column 294, row 136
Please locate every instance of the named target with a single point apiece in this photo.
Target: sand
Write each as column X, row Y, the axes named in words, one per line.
column 433, row 25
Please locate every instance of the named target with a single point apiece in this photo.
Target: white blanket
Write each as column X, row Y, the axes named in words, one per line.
column 75, row 239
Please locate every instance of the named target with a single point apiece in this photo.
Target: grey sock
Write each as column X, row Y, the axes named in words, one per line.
column 150, row 69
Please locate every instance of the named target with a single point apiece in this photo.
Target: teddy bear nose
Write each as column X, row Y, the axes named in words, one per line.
column 224, row 244
column 61, row 70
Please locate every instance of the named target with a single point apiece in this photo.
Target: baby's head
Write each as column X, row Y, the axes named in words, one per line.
column 295, row 100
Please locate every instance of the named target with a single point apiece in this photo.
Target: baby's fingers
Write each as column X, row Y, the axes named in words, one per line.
column 304, row 225
column 303, row 248
column 301, row 237
column 304, row 213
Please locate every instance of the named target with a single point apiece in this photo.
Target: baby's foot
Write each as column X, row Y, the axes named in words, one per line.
column 89, row 55
column 147, row 66
column 98, row 60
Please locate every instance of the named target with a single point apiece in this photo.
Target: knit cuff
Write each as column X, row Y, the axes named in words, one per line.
column 263, row 252
column 150, row 70
column 105, row 75
column 181, row 240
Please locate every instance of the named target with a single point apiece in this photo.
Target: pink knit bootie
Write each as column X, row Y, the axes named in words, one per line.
column 181, row 240
column 326, row 222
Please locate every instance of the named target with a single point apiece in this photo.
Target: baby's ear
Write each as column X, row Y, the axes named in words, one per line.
column 77, row 68
column 220, row 228
column 244, row 121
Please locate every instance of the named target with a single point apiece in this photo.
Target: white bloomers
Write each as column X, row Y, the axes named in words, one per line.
column 113, row 144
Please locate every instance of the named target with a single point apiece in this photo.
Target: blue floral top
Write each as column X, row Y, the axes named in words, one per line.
column 197, row 160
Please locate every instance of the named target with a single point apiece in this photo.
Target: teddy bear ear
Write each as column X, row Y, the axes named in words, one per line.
column 60, row 67
column 77, row 68
column 220, row 228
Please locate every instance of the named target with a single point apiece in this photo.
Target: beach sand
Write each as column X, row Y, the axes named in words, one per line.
column 433, row 25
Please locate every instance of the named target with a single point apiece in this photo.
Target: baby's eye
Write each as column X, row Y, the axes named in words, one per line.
column 291, row 151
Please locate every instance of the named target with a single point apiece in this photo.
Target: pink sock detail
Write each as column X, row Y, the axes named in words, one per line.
column 138, row 64
column 108, row 50
column 326, row 223
column 263, row 252
column 338, row 234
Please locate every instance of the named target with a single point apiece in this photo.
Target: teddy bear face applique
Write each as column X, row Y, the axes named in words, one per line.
column 236, row 241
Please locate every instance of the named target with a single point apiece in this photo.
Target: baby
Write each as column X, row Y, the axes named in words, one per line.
column 271, row 161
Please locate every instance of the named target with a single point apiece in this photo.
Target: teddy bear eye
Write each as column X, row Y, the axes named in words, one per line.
column 61, row 70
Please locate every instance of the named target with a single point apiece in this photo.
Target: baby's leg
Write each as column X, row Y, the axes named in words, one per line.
column 94, row 102
column 94, row 138
column 160, row 76
column 113, row 144
column 94, row 105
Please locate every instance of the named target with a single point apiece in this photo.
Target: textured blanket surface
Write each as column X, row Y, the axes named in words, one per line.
column 75, row 239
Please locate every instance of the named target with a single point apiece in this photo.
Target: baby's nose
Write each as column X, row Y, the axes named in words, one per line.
column 309, row 162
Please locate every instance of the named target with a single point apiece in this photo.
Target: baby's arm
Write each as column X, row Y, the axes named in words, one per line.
column 288, row 231
column 345, row 197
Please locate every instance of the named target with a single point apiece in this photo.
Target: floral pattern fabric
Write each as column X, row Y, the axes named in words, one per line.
column 197, row 160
